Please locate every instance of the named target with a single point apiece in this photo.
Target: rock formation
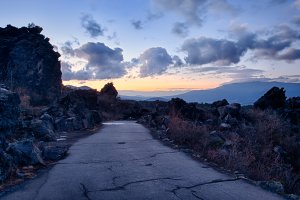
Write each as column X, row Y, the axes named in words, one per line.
column 29, row 65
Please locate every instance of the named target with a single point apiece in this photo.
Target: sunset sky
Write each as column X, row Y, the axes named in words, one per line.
column 166, row 45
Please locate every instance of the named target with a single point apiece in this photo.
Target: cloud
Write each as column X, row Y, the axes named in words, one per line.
column 204, row 50
column 68, row 74
column 67, row 48
column 290, row 55
column 276, row 44
column 223, row 6
column 177, row 61
column 180, row 29
column 154, row 61
column 193, row 11
column 137, row 24
column 236, row 72
column 296, row 4
column 151, row 16
column 93, row 28
column 103, row 61
column 100, row 62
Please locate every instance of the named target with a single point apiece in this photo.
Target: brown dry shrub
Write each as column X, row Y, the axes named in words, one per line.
column 187, row 133
column 253, row 149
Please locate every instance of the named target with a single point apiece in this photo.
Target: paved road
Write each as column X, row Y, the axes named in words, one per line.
column 123, row 161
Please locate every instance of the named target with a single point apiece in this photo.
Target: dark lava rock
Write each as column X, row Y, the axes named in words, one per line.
column 274, row 98
column 232, row 109
column 25, row 152
column 29, row 65
column 76, row 110
column 220, row 103
column 54, row 153
column 42, row 129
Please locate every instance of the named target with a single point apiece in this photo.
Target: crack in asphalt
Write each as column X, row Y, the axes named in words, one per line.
column 85, row 191
column 174, row 191
column 153, row 155
column 114, row 179
column 123, row 187
column 91, row 162
column 37, row 192
column 195, row 195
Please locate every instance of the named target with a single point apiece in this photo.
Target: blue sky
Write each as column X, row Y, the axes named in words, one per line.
column 152, row 45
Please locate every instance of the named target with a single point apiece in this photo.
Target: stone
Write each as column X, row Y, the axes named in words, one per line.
column 25, row 152
column 54, row 153
column 42, row 130
column 273, row 186
column 232, row 109
column 274, row 99
column 29, row 65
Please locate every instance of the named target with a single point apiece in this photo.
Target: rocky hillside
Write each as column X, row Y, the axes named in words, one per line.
column 261, row 142
column 29, row 65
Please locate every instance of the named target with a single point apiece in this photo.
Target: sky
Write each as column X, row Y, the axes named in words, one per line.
column 166, row 45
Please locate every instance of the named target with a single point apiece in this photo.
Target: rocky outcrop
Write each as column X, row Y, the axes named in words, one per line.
column 76, row 110
column 29, row 65
column 274, row 99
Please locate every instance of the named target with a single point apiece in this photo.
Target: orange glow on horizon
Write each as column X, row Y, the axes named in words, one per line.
column 169, row 83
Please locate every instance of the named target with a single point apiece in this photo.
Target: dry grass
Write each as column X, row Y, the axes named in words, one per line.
column 262, row 148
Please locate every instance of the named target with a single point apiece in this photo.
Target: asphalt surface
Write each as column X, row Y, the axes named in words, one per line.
column 123, row 161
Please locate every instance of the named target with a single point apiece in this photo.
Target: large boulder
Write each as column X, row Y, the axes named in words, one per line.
column 42, row 129
column 54, row 153
column 232, row 109
column 29, row 65
column 274, row 99
column 25, row 152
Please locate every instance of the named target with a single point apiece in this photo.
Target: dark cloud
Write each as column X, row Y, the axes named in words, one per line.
column 68, row 74
column 290, row 55
column 67, row 48
column 137, row 24
column 180, row 29
column 276, row 44
column 154, row 61
column 103, row 61
column 207, row 50
column 93, row 28
column 177, row 61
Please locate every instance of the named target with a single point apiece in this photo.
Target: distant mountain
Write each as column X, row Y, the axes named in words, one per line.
column 142, row 98
column 157, row 99
column 245, row 93
column 136, row 98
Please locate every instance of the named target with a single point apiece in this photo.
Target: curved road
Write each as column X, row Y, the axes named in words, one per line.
column 123, row 161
